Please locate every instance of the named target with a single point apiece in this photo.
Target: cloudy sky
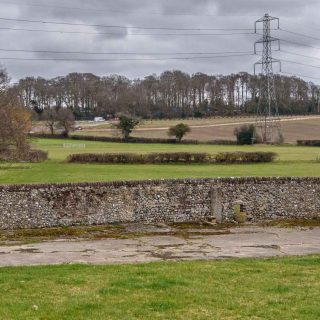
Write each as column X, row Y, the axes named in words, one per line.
column 128, row 30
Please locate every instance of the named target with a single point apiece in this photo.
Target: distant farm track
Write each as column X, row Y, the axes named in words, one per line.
column 252, row 122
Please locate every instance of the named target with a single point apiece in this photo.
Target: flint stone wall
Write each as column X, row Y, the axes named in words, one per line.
column 39, row 206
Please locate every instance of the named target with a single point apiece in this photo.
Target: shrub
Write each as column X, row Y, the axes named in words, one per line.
column 26, row 156
column 131, row 139
column 245, row 134
column 245, row 157
column 131, row 158
column 126, row 125
column 178, row 157
column 310, row 143
column 36, row 156
column 179, row 131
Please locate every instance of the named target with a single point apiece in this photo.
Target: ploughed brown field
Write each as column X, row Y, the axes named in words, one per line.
column 294, row 128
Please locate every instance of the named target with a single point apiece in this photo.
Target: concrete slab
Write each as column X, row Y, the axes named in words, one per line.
column 236, row 243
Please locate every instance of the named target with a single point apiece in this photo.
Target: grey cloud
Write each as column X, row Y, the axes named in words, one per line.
column 284, row 7
column 295, row 15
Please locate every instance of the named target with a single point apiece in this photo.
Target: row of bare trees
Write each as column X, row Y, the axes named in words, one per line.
column 172, row 94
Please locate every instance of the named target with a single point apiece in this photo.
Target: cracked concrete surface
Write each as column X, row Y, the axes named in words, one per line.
column 236, row 243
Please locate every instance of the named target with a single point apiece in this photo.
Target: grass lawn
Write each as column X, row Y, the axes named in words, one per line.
column 292, row 161
column 57, row 151
column 286, row 288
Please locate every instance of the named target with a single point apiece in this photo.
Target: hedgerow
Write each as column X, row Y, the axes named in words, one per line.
column 178, row 157
column 131, row 139
column 310, row 143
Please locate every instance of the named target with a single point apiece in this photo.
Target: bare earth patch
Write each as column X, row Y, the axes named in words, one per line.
column 294, row 128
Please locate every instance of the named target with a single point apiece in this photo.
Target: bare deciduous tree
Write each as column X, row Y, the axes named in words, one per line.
column 50, row 117
column 66, row 121
column 15, row 121
column 171, row 94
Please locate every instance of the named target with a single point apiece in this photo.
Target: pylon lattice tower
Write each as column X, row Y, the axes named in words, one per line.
column 268, row 125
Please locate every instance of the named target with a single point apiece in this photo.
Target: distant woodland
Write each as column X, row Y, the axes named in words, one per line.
column 173, row 94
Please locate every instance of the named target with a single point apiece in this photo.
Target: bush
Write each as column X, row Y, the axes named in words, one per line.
column 132, row 158
column 126, row 125
column 245, row 157
column 179, row 131
column 245, row 134
column 310, row 143
column 131, row 139
column 36, row 156
column 27, row 156
column 178, row 157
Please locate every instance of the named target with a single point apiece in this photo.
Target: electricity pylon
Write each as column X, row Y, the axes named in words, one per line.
column 268, row 121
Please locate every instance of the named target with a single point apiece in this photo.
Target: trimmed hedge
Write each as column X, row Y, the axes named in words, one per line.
column 132, row 158
column 179, row 157
column 131, row 139
column 245, row 157
column 310, row 143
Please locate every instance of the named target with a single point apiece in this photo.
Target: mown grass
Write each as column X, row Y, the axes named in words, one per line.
column 292, row 161
column 57, row 151
column 286, row 288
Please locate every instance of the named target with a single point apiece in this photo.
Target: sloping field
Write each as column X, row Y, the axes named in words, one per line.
column 294, row 128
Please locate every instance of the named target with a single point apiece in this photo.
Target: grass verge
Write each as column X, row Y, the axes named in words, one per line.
column 286, row 288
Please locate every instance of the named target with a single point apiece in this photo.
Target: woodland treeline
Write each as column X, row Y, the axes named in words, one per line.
column 172, row 94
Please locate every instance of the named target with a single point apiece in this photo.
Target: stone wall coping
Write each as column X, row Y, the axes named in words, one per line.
column 141, row 183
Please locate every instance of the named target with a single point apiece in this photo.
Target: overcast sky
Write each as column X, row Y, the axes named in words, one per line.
column 295, row 15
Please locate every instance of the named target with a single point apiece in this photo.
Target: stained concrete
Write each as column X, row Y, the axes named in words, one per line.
column 236, row 243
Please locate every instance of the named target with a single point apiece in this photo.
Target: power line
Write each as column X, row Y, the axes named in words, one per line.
column 125, row 53
column 122, row 27
column 300, row 55
column 300, row 44
column 299, row 34
column 124, row 59
column 125, row 34
column 299, row 75
column 301, row 63
column 103, row 10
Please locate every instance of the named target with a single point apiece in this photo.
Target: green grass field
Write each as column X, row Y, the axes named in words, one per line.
column 292, row 161
column 286, row 288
